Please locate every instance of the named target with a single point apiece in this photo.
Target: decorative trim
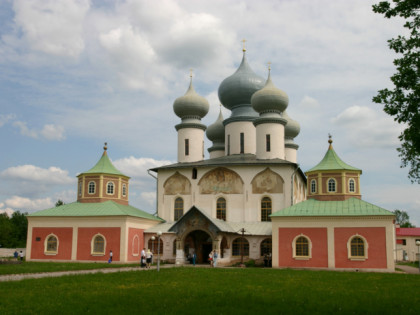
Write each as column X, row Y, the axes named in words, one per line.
column 190, row 125
column 50, row 253
column 269, row 120
column 296, row 257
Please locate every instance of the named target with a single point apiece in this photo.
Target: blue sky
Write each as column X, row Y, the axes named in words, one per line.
column 74, row 74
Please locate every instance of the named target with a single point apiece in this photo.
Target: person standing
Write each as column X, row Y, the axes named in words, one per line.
column 148, row 258
column 110, row 256
column 194, row 257
column 16, row 254
column 143, row 257
column 21, row 256
column 215, row 256
column 211, row 258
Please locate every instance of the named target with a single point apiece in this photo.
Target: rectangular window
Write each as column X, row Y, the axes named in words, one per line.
column 267, row 143
column 228, row 145
column 242, row 142
column 187, row 147
column 404, row 242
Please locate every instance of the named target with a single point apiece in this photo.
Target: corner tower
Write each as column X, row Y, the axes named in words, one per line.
column 191, row 108
column 332, row 179
column 103, row 182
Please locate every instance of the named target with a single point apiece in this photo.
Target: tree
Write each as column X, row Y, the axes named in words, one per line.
column 402, row 218
column 59, row 203
column 402, row 102
column 20, row 229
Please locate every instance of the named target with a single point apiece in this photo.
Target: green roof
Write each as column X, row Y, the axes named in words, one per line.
column 104, row 166
column 349, row 207
column 331, row 161
column 98, row 209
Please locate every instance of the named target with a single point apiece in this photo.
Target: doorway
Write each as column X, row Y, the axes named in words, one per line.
column 199, row 242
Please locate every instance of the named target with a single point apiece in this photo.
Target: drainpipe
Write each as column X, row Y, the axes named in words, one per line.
column 157, row 191
column 292, row 186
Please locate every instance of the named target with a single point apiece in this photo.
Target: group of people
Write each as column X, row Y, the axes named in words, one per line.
column 192, row 258
column 18, row 256
column 146, row 258
column 213, row 256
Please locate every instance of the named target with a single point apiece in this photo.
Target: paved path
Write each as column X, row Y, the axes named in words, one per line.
column 408, row 269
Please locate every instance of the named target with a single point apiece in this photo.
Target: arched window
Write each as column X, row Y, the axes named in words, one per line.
column 178, row 208
column 51, row 245
column 265, row 209
column 91, row 188
column 136, row 245
column 110, row 188
column 331, row 185
column 313, row 186
column 351, row 185
column 266, row 247
column 239, row 246
column 98, row 245
column 221, row 209
column 153, row 245
column 357, row 247
column 124, row 190
column 302, row 247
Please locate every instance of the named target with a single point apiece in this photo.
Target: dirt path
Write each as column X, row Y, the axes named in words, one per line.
column 408, row 269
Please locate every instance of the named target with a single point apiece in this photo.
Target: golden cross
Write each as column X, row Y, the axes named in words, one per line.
column 243, row 45
column 191, row 72
column 269, row 65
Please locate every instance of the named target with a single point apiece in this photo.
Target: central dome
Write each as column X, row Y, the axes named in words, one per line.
column 239, row 87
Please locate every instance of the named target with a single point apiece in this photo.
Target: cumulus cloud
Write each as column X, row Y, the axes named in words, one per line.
column 137, row 167
column 48, row 132
column 8, row 211
column 52, row 26
column 149, row 197
column 26, row 204
column 51, row 176
column 368, row 128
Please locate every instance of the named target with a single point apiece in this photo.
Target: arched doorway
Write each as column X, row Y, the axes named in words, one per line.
column 199, row 242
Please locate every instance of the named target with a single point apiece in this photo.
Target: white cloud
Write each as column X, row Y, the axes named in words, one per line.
column 368, row 128
column 137, row 167
column 49, row 131
column 8, row 211
column 4, row 119
column 52, row 26
column 26, row 204
column 53, row 132
column 51, row 176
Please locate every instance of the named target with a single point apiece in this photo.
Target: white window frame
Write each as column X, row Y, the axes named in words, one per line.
column 110, row 184
column 366, row 246
column 46, row 251
column 92, row 245
column 124, row 190
column 94, row 187
column 295, row 256
column 328, row 185
column 351, row 180
column 313, row 186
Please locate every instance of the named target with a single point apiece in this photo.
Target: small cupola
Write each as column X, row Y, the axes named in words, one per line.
column 103, row 182
column 332, row 179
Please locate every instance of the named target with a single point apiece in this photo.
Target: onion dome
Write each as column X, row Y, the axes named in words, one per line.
column 191, row 105
column 216, row 131
column 269, row 98
column 292, row 128
column 238, row 88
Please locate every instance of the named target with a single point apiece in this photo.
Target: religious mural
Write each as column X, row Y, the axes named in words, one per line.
column 267, row 182
column 221, row 180
column 177, row 184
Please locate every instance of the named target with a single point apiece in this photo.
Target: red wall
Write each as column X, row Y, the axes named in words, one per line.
column 376, row 239
column 64, row 236
column 318, row 237
column 84, row 241
column 130, row 248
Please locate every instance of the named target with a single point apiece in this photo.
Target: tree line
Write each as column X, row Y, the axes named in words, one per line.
column 13, row 230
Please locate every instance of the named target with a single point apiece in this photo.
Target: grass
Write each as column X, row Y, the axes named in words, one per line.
column 216, row 291
column 34, row 267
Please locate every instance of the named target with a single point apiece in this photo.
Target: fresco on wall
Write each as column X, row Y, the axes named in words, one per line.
column 221, row 180
column 267, row 182
column 177, row 184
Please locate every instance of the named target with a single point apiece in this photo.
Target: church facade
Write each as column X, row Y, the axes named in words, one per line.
column 249, row 200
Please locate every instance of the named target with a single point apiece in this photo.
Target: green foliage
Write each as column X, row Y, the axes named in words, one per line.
column 403, row 100
column 13, row 230
column 215, row 291
column 59, row 203
column 402, row 218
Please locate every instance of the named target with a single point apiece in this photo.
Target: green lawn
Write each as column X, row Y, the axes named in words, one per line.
column 34, row 267
column 215, row 291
